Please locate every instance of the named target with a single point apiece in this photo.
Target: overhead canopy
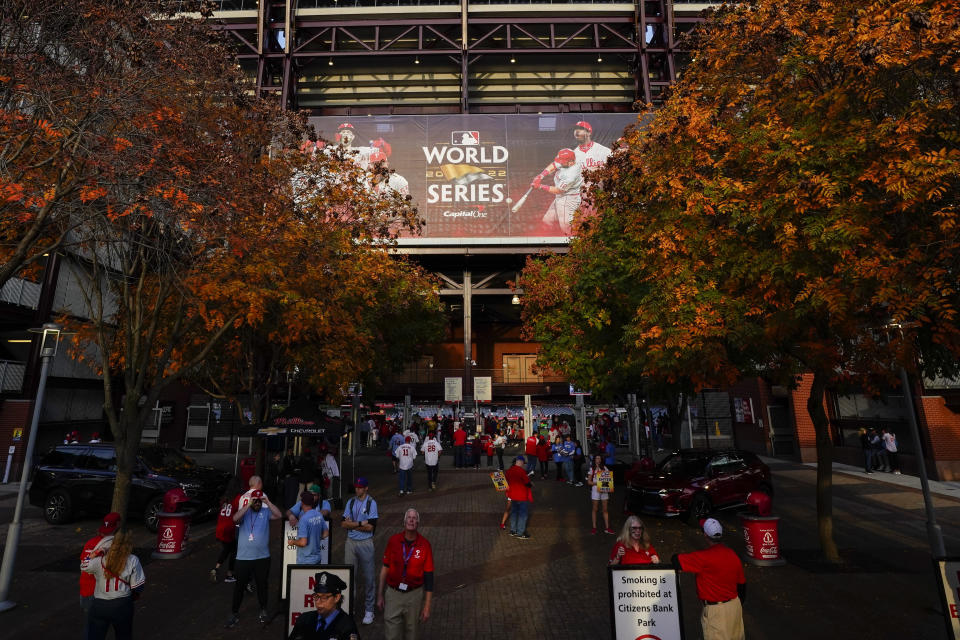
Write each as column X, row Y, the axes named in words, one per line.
column 303, row 418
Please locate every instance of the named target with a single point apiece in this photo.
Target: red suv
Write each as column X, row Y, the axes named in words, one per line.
column 694, row 482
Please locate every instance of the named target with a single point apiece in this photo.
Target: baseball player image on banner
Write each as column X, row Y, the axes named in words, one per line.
column 567, row 182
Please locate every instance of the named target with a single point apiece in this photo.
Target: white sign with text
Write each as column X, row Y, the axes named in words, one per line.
column 645, row 603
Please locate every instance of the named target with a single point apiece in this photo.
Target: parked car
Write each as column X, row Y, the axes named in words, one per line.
column 694, row 482
column 71, row 478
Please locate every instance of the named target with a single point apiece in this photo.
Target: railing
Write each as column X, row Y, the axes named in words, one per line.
column 20, row 292
column 11, row 375
column 251, row 5
column 425, row 375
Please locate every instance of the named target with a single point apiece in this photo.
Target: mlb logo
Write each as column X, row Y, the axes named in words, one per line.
column 464, row 137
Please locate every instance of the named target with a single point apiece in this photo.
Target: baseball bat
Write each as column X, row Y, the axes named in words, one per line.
column 520, row 202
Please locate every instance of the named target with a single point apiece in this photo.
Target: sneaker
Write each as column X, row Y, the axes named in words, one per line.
column 896, row 473
column 250, row 587
column 229, row 579
column 213, row 576
column 608, row 530
column 401, row 494
column 593, row 531
column 513, row 533
column 232, row 621
column 869, row 471
column 367, row 618
column 263, row 616
column 529, row 473
column 524, row 536
column 579, row 484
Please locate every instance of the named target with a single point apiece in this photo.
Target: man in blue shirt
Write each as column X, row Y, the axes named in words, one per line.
column 293, row 513
column 610, row 450
column 360, row 520
column 567, row 451
column 253, row 551
column 311, row 531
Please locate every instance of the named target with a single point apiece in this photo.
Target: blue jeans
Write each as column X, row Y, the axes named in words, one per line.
column 531, row 463
column 568, row 470
column 868, row 460
column 405, row 476
column 519, row 513
column 458, row 456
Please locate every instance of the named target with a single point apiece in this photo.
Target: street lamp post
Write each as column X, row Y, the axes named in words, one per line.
column 48, row 349
column 934, row 534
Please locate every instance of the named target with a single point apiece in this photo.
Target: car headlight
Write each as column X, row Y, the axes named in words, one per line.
column 666, row 492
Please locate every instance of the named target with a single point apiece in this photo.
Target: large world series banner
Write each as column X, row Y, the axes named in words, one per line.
column 468, row 174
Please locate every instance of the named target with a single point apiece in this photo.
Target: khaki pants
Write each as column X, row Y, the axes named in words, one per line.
column 722, row 621
column 401, row 613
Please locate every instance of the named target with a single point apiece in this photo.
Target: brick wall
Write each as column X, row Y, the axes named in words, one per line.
column 806, row 434
column 943, row 431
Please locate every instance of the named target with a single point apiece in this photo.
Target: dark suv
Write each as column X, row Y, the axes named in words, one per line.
column 70, row 478
column 694, row 482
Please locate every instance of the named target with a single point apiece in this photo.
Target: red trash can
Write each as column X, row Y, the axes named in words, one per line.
column 760, row 531
column 248, row 468
column 173, row 527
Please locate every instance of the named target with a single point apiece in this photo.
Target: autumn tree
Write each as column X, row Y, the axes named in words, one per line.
column 795, row 196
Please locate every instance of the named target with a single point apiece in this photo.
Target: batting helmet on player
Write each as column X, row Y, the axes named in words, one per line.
column 565, row 155
column 583, row 124
column 345, row 125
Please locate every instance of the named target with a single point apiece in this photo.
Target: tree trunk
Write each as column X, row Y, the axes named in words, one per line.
column 824, row 469
column 127, row 442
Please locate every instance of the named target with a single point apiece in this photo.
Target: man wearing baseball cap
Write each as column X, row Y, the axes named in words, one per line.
column 721, row 585
column 360, row 520
column 327, row 620
column 253, row 551
column 99, row 542
column 312, row 530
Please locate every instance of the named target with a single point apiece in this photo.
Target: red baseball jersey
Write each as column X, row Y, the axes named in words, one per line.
column 718, row 570
column 406, row 562
column 226, row 528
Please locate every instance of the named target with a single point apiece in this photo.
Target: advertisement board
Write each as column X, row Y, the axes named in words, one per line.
column 948, row 574
column 470, row 175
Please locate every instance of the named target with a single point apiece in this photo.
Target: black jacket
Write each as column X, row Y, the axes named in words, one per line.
column 343, row 628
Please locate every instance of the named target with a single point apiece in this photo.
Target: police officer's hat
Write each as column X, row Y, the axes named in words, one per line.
column 326, row 582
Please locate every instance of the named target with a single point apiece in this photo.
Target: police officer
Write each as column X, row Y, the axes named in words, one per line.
column 328, row 620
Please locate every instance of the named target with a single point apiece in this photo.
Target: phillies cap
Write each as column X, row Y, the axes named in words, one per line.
column 713, row 529
column 565, row 155
column 583, row 124
column 361, row 482
column 110, row 523
column 257, row 494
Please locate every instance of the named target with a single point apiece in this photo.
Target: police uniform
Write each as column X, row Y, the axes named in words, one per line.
column 309, row 626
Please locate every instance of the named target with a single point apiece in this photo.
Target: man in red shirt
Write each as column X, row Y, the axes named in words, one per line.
column 531, row 451
column 406, row 580
column 99, row 542
column 459, row 445
column 721, row 585
column 520, row 493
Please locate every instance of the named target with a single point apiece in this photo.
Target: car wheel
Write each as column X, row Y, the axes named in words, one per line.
column 700, row 508
column 58, row 508
column 151, row 514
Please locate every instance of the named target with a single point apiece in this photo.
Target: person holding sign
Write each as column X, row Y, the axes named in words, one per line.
column 721, row 585
column 408, row 572
column 312, row 530
column 633, row 545
column 600, row 480
column 328, row 620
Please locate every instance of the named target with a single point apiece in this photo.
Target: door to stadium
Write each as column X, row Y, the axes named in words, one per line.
column 520, row 368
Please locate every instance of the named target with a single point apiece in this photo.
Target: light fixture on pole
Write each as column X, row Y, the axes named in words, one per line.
column 48, row 349
column 515, row 299
column 330, row 62
column 416, row 60
column 512, row 60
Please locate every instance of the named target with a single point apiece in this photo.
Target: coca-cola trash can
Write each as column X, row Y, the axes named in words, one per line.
column 173, row 527
column 760, row 531
column 248, row 467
